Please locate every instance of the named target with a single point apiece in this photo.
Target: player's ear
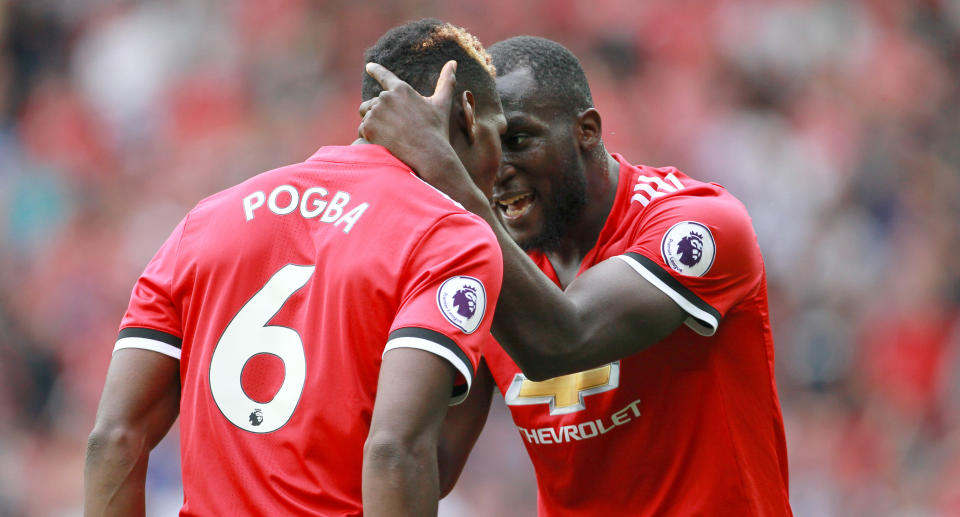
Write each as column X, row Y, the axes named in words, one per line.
column 468, row 115
column 588, row 129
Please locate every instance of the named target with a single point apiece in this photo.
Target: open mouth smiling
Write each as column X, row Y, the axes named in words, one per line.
column 516, row 205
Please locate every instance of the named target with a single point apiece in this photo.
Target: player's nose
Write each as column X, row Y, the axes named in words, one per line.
column 504, row 173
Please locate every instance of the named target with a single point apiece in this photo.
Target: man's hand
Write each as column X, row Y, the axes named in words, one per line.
column 414, row 128
column 388, row 117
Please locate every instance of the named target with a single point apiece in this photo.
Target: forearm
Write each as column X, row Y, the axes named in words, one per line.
column 398, row 481
column 115, row 474
column 536, row 323
column 607, row 313
column 542, row 329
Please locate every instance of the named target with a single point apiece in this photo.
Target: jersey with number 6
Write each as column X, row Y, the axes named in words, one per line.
column 692, row 424
column 280, row 295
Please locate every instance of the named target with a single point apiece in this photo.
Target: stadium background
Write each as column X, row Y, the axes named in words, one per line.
column 836, row 122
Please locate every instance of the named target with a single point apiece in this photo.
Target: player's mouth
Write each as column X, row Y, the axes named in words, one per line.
column 515, row 206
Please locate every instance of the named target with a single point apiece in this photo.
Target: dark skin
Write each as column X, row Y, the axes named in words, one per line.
column 538, row 133
column 141, row 400
column 415, row 449
column 400, row 469
column 606, row 313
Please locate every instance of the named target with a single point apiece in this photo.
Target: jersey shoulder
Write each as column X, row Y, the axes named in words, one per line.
column 667, row 193
column 647, row 185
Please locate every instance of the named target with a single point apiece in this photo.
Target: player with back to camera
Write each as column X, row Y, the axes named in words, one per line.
column 637, row 355
column 309, row 325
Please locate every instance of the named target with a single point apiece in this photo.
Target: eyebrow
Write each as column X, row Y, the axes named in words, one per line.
column 522, row 119
column 516, row 116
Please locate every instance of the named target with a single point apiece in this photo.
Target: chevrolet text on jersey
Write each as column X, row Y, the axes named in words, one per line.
column 284, row 199
column 584, row 431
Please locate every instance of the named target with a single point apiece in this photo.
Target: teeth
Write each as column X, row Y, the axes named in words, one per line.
column 512, row 200
column 511, row 211
column 516, row 206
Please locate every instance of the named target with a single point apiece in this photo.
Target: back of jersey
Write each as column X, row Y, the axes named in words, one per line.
column 280, row 296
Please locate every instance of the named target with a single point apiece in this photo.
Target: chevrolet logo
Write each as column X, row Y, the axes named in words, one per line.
column 564, row 394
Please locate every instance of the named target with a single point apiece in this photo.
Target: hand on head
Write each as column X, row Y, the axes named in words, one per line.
column 401, row 107
column 417, row 131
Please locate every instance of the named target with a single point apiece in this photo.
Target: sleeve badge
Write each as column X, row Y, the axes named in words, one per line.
column 462, row 301
column 688, row 248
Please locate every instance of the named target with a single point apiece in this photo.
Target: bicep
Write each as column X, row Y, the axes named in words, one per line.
column 413, row 391
column 620, row 312
column 142, row 392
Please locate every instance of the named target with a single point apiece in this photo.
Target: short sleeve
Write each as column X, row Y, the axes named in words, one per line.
column 152, row 320
column 453, row 279
column 701, row 251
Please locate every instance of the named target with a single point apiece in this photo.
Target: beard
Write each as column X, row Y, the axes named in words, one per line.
column 565, row 206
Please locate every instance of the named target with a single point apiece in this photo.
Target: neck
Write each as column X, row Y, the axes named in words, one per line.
column 581, row 237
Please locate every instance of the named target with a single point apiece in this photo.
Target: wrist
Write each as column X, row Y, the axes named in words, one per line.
column 448, row 174
column 423, row 152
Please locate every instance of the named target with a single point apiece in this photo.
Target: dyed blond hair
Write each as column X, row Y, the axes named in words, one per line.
column 417, row 51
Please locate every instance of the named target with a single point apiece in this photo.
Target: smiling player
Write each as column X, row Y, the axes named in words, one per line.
column 637, row 355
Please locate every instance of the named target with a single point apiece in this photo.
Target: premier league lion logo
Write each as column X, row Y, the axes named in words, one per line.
column 465, row 300
column 256, row 418
column 690, row 249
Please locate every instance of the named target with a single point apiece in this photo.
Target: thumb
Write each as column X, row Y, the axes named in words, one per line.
column 446, row 83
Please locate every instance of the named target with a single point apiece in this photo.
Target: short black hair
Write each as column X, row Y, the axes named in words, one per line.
column 555, row 69
column 417, row 51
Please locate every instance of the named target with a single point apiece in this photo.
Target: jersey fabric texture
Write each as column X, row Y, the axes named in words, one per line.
column 691, row 425
column 280, row 297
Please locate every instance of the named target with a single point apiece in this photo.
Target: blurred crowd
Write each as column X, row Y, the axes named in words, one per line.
column 836, row 122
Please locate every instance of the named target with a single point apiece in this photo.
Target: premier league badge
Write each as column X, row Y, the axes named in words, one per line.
column 462, row 301
column 688, row 248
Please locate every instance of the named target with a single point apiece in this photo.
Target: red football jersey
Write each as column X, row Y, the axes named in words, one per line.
column 691, row 425
column 280, row 296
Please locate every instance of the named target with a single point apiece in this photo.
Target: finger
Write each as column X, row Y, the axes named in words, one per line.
column 383, row 76
column 363, row 130
column 367, row 105
column 446, row 83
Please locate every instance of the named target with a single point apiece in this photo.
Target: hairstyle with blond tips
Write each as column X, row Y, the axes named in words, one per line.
column 416, row 52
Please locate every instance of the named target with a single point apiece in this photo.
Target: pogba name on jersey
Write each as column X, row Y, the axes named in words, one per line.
column 312, row 203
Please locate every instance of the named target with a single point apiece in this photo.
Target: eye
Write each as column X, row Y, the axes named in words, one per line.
column 515, row 140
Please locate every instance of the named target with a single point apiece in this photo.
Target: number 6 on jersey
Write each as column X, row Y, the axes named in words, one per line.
column 248, row 335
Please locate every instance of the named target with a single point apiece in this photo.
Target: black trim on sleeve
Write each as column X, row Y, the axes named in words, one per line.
column 155, row 335
column 458, row 391
column 435, row 337
column 674, row 284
